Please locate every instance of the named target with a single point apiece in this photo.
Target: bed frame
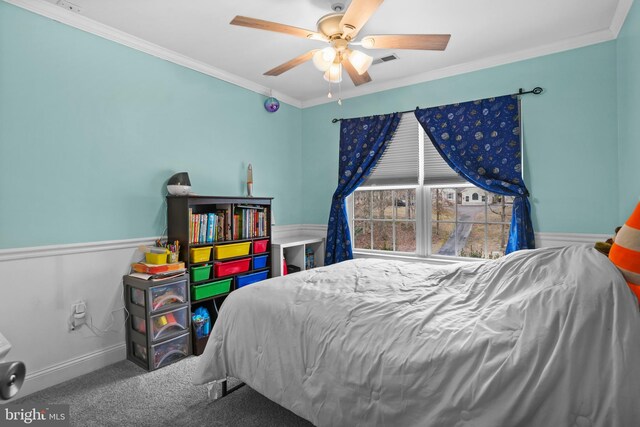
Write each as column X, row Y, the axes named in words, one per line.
column 225, row 390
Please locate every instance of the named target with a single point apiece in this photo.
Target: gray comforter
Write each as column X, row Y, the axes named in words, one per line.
column 549, row 337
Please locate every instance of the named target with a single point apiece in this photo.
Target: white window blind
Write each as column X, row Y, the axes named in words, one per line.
column 401, row 163
column 436, row 170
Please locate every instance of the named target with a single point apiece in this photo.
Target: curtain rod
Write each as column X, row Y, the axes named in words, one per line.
column 536, row 91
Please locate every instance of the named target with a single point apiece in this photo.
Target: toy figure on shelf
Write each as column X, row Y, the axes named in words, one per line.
column 310, row 259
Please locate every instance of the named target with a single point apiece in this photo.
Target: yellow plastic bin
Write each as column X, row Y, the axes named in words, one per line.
column 231, row 250
column 200, row 254
column 152, row 258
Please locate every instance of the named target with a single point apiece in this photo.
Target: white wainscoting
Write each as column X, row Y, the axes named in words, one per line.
column 39, row 285
column 549, row 240
column 37, row 289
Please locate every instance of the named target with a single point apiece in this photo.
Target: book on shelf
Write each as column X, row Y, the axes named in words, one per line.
column 190, row 225
column 251, row 222
column 228, row 223
column 203, row 227
column 211, row 219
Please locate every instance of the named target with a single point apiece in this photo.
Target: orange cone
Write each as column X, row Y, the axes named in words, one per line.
column 625, row 251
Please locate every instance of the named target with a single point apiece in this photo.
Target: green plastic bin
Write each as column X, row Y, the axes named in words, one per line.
column 207, row 290
column 200, row 273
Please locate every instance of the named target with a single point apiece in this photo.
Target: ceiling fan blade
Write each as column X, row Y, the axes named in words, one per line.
column 357, row 79
column 407, row 41
column 357, row 14
column 259, row 24
column 290, row 64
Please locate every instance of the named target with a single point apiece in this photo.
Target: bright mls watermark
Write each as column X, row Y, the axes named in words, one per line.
column 34, row 415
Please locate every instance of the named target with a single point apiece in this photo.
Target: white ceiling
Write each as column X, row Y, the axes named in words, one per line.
column 484, row 33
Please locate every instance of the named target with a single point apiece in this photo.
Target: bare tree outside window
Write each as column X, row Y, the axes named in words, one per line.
column 478, row 227
column 465, row 221
column 385, row 220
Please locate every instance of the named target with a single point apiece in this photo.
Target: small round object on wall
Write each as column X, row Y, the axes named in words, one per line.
column 271, row 104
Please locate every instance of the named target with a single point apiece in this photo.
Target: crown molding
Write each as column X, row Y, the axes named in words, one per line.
column 59, row 14
column 481, row 64
column 620, row 15
column 83, row 23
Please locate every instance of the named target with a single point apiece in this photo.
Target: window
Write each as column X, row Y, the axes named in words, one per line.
column 385, row 220
column 413, row 202
column 476, row 230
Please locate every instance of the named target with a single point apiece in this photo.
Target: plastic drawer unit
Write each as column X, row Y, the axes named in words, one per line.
column 166, row 352
column 163, row 325
column 158, row 332
column 160, row 297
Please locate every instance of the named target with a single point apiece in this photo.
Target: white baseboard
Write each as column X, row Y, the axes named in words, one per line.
column 72, row 368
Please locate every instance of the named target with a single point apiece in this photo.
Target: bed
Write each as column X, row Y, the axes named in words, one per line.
column 547, row 337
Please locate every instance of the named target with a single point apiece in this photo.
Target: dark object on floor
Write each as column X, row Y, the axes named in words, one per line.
column 292, row 268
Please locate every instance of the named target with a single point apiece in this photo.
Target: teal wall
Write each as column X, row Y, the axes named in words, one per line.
column 90, row 131
column 629, row 112
column 570, row 134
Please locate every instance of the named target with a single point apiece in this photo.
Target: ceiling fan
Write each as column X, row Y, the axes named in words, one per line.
column 339, row 30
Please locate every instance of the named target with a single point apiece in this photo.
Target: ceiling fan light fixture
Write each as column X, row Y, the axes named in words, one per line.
column 334, row 74
column 360, row 61
column 368, row 42
column 323, row 58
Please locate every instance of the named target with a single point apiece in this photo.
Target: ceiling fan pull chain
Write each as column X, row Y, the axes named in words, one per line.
column 340, row 86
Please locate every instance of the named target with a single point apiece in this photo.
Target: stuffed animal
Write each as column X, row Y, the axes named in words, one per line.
column 605, row 247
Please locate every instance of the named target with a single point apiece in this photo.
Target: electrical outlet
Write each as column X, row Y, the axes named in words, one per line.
column 78, row 315
column 69, row 6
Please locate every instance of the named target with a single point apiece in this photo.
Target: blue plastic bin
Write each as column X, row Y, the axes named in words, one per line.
column 248, row 279
column 260, row 261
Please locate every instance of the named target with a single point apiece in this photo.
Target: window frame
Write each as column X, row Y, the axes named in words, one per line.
column 424, row 222
column 351, row 218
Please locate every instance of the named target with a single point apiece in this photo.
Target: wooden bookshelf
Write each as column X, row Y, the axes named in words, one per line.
column 179, row 213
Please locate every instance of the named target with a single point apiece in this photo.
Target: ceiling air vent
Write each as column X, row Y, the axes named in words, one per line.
column 387, row 58
column 69, row 6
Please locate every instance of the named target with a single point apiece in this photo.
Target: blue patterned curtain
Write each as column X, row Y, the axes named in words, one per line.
column 480, row 140
column 362, row 143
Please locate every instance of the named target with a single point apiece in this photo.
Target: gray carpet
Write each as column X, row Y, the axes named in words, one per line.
column 124, row 394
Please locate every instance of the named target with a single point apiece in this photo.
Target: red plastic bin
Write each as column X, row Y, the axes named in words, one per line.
column 221, row 269
column 260, row 246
